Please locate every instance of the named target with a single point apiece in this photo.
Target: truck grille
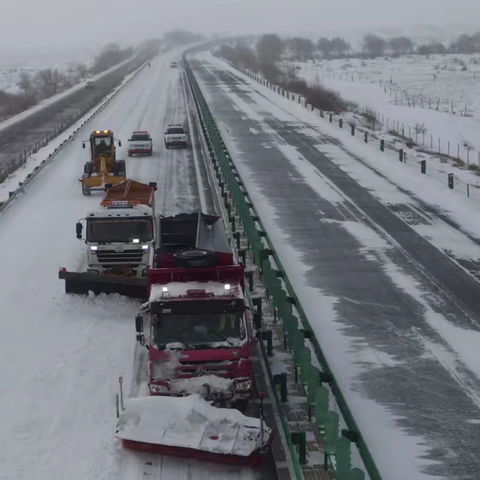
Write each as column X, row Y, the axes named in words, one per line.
column 111, row 257
column 224, row 368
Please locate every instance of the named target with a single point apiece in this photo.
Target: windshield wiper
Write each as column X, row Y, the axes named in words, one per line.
column 223, row 338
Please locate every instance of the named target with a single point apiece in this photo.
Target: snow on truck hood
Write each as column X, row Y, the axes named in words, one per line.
column 191, row 422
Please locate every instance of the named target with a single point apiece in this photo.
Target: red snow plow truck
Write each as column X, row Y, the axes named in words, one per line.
column 196, row 329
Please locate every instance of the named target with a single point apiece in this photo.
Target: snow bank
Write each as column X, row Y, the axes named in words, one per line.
column 190, row 422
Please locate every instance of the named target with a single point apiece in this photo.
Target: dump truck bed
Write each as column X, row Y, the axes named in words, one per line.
column 130, row 191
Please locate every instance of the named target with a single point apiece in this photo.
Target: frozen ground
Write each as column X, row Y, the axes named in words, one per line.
column 406, row 92
column 60, row 355
column 387, row 277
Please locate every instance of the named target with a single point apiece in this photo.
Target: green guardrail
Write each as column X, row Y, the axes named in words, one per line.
column 295, row 323
column 293, row 454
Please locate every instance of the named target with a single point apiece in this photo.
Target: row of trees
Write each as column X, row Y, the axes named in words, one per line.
column 263, row 59
column 50, row 81
column 272, row 46
column 110, row 56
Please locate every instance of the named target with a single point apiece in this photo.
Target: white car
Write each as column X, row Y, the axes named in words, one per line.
column 175, row 136
column 140, row 143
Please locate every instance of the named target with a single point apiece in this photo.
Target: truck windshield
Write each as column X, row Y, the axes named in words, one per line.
column 119, row 230
column 175, row 131
column 218, row 330
column 140, row 138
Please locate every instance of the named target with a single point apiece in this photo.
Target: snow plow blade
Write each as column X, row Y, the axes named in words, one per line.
column 191, row 427
column 96, row 183
column 81, row 283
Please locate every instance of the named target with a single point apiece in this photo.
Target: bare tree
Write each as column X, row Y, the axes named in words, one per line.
column 28, row 87
column 464, row 44
column 49, row 81
column 373, row 45
column 339, row 46
column 269, row 48
column 325, row 47
column 401, row 45
column 302, row 48
column 82, row 70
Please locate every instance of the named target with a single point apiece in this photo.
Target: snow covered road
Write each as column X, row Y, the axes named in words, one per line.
column 384, row 279
column 60, row 356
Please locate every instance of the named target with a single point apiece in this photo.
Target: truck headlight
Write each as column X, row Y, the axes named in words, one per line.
column 159, row 388
column 144, row 247
column 93, row 248
column 243, row 386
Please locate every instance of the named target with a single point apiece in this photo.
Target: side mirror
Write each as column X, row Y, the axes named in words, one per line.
column 83, row 145
column 129, row 140
column 139, row 324
column 79, row 229
column 119, row 143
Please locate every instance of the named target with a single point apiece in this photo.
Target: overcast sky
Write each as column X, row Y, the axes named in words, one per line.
column 41, row 23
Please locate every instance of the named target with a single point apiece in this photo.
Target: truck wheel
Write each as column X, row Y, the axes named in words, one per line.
column 121, row 168
column 87, row 169
column 194, row 258
column 85, row 191
column 167, row 146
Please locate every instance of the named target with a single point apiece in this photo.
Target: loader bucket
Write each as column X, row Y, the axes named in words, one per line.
column 92, row 182
column 82, row 283
column 113, row 180
column 96, row 184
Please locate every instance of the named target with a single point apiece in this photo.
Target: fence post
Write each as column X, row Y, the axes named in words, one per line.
column 423, row 166
column 340, row 123
column 366, row 137
column 382, row 145
column 451, row 180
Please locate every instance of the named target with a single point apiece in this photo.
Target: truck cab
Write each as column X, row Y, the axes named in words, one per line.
column 196, row 324
column 121, row 233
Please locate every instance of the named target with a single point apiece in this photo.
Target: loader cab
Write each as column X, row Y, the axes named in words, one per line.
column 102, row 143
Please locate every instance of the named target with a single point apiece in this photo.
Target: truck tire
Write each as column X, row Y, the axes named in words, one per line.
column 194, row 259
column 87, row 169
column 121, row 168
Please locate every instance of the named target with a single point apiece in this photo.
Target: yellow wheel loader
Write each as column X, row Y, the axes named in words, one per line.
column 103, row 168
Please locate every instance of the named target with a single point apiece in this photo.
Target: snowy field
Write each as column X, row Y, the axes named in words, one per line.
column 12, row 64
column 440, row 92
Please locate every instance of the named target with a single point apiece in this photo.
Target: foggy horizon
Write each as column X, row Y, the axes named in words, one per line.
column 55, row 24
